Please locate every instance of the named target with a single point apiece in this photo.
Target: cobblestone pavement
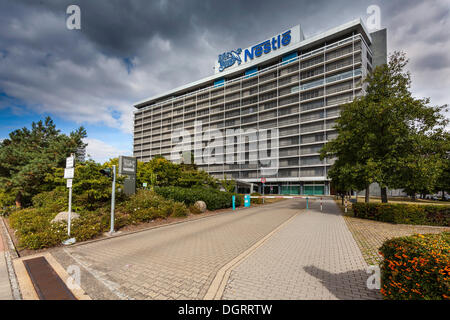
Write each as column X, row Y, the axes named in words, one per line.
column 370, row 234
column 177, row 261
column 313, row 257
column 5, row 288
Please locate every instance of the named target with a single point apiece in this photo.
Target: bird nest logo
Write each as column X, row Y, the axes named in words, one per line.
column 227, row 59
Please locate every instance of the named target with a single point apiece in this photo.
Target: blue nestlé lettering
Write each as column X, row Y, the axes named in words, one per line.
column 265, row 47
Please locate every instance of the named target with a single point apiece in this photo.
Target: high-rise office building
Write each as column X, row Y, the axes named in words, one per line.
column 285, row 84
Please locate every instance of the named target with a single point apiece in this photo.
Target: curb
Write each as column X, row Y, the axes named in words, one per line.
column 11, row 254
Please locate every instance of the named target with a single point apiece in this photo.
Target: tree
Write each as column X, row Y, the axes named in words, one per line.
column 228, row 184
column 28, row 155
column 162, row 172
column 90, row 188
column 443, row 180
column 382, row 133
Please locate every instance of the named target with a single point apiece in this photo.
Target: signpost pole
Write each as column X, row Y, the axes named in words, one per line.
column 69, row 175
column 345, row 204
column 113, row 199
column 69, row 222
column 263, row 193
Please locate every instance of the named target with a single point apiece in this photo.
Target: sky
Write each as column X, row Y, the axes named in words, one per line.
column 127, row 51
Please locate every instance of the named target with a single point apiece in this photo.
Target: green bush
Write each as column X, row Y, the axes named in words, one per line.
column 403, row 213
column 213, row 198
column 53, row 201
column 147, row 205
column 256, row 200
column 35, row 231
column 193, row 209
column 416, row 267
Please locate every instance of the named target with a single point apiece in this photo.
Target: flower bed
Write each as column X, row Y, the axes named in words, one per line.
column 416, row 267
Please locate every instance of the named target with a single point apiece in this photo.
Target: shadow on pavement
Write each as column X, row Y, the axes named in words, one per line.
column 350, row 285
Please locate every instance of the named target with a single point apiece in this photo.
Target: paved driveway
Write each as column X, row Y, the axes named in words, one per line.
column 313, row 257
column 173, row 262
column 278, row 251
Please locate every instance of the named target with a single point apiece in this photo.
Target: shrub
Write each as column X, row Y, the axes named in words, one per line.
column 193, row 209
column 213, row 198
column 53, row 201
column 403, row 213
column 256, row 200
column 35, row 230
column 179, row 210
column 416, row 267
column 147, row 205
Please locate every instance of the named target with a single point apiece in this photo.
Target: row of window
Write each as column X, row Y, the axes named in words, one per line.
column 304, row 64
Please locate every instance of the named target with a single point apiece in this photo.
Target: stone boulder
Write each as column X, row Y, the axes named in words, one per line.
column 64, row 216
column 200, row 205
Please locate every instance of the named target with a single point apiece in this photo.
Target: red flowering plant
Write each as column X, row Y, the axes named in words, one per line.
column 416, row 267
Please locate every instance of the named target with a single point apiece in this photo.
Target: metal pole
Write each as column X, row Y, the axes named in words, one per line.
column 320, row 203
column 70, row 211
column 113, row 199
column 263, row 192
column 345, row 204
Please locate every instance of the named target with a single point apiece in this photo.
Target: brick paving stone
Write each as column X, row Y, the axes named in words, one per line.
column 370, row 234
column 189, row 253
column 5, row 286
column 313, row 257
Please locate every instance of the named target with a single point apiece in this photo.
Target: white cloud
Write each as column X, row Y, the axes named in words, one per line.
column 100, row 151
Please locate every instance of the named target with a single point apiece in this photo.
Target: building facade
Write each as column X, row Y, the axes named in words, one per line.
column 287, row 83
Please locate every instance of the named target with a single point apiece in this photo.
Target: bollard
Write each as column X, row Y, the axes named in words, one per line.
column 234, row 202
column 345, row 205
column 306, row 202
column 320, row 203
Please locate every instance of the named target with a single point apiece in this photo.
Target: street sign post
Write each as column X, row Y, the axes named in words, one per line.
column 69, row 173
column 263, row 181
column 128, row 167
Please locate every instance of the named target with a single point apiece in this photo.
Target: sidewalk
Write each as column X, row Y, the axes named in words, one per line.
column 313, row 257
column 5, row 287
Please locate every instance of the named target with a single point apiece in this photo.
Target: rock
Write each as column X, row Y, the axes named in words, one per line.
column 200, row 205
column 64, row 216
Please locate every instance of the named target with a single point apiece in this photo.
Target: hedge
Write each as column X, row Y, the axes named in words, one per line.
column 416, row 267
column 214, row 199
column 404, row 213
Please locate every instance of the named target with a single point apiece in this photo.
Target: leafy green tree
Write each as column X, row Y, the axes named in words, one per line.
column 90, row 188
column 162, row 172
column 228, row 184
column 28, row 155
column 443, row 180
column 381, row 133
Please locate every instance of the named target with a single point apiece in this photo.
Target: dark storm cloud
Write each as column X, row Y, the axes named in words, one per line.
column 129, row 50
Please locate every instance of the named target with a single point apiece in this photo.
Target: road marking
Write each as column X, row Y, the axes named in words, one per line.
column 219, row 282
